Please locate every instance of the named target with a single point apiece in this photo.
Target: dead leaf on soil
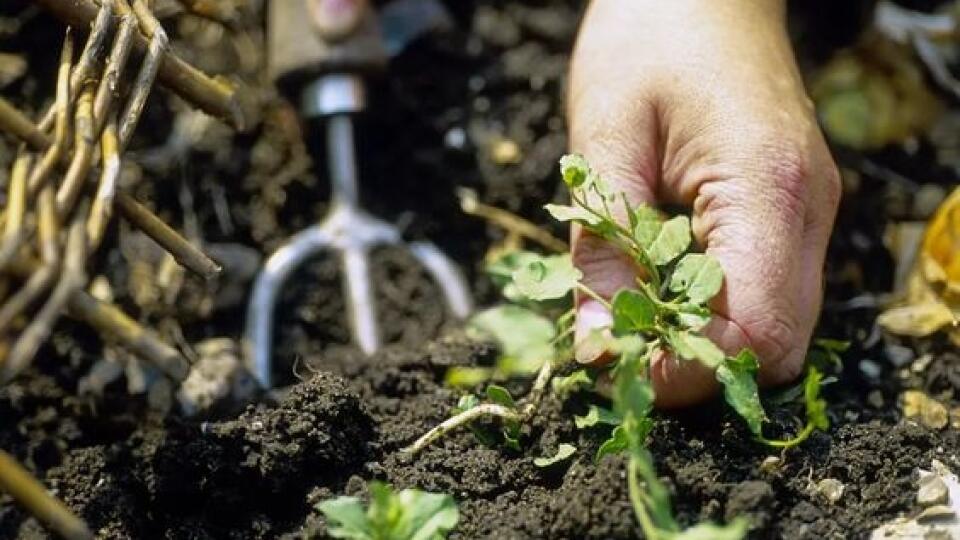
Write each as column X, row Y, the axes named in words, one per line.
column 874, row 94
column 931, row 301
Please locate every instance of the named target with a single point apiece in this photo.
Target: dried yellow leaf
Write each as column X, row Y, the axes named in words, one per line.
column 940, row 260
column 916, row 320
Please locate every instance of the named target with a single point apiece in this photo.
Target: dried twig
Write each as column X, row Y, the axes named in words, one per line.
column 188, row 255
column 84, row 142
column 148, row 70
column 109, row 320
column 72, row 279
column 511, row 222
column 216, row 96
column 57, row 151
column 89, row 58
column 110, row 81
column 16, row 208
column 102, row 208
column 15, row 122
column 29, row 492
column 40, row 280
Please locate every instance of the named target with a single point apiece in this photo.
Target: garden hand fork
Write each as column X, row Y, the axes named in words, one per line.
column 335, row 41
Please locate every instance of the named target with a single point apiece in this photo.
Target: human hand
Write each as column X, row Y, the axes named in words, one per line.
column 700, row 103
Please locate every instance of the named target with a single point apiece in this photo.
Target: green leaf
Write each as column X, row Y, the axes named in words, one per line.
column 735, row 530
column 645, row 232
column 548, row 278
column 410, row 514
column 511, row 439
column 825, row 352
column 698, row 276
column 632, row 395
column 346, row 518
column 501, row 272
column 616, row 444
column 633, row 311
column 595, row 416
column 500, row 396
column 816, row 407
column 738, row 377
column 691, row 346
column 575, row 170
column 563, row 452
column 693, row 317
column 564, row 386
column 573, row 213
column 466, row 376
column 426, row 516
column 672, row 240
column 519, row 332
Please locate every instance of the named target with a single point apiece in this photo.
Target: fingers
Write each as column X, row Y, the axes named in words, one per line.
column 768, row 227
column 613, row 133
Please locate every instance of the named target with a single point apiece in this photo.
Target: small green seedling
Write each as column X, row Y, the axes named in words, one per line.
column 410, row 514
column 664, row 313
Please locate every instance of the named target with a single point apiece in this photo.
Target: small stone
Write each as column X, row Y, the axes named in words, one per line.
column 875, row 399
column 931, row 412
column 770, row 464
column 831, row 489
column 898, row 355
column 505, row 152
column 936, row 513
column 455, row 138
column 921, row 363
column 933, row 490
column 870, row 369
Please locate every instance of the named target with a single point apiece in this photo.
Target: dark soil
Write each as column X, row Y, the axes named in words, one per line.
column 134, row 474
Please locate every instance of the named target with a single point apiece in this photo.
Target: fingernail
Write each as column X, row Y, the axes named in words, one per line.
column 590, row 315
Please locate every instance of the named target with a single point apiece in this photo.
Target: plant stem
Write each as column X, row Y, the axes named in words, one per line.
column 593, row 294
column 630, row 247
column 467, row 416
column 637, row 497
column 790, row 443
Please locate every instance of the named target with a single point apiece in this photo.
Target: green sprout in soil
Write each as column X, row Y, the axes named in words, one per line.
column 410, row 514
column 663, row 314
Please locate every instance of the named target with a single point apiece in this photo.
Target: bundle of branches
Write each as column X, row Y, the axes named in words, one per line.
column 63, row 191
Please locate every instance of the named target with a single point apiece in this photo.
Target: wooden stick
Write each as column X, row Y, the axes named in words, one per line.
column 185, row 253
column 102, row 208
column 89, row 58
column 56, row 152
column 29, row 492
column 112, row 323
column 215, row 95
column 148, row 70
column 84, row 142
column 38, row 331
column 16, row 208
column 15, row 122
column 119, row 54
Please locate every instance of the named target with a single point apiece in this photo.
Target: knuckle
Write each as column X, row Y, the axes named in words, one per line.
column 774, row 337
